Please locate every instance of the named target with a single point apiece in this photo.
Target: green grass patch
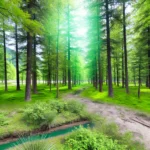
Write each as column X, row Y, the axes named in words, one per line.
column 120, row 97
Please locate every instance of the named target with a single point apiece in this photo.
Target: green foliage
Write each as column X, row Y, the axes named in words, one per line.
column 70, row 106
column 3, row 119
column 11, row 71
column 85, row 139
column 113, row 132
column 39, row 114
column 58, row 112
column 74, row 107
column 59, row 106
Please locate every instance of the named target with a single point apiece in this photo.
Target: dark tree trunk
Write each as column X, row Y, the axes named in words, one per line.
column 117, row 67
column 125, row 49
column 96, row 76
column 134, row 77
column 123, row 81
column 29, row 67
column 34, row 70
column 49, row 75
column 57, row 57
column 110, row 88
column 5, row 60
column 114, row 74
column 99, row 57
column 139, row 81
column 149, row 57
column 147, row 81
column 17, row 59
column 69, row 65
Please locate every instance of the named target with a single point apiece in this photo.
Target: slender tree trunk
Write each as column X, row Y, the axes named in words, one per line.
column 29, row 67
column 5, row 60
column 134, row 77
column 49, row 75
column 110, row 88
column 29, row 60
column 17, row 59
column 69, row 65
column 149, row 57
column 99, row 57
column 114, row 74
column 123, row 81
column 125, row 48
column 117, row 67
column 139, row 87
column 147, row 81
column 96, row 76
column 34, row 70
column 57, row 57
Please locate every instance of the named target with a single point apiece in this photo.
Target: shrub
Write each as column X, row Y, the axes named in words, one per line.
column 39, row 114
column 74, row 107
column 112, row 131
column 58, row 106
column 85, row 139
column 3, row 119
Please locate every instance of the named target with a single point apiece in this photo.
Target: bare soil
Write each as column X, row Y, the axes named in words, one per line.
column 127, row 119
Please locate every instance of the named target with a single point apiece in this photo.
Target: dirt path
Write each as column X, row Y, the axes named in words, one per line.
column 126, row 119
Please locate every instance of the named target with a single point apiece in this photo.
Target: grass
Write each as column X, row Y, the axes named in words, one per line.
column 12, row 99
column 120, row 97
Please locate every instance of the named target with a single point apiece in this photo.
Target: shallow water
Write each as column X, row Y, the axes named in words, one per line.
column 43, row 136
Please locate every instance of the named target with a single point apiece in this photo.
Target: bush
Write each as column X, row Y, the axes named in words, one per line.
column 74, row 107
column 3, row 119
column 112, row 131
column 39, row 114
column 85, row 139
column 58, row 106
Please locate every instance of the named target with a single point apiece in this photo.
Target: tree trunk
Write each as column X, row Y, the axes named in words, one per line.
column 57, row 57
column 125, row 49
column 17, row 59
column 99, row 57
column 114, row 74
column 34, row 73
column 149, row 57
column 69, row 65
column 29, row 67
column 134, row 77
column 123, row 82
column 110, row 88
column 117, row 67
column 5, row 60
column 96, row 77
column 139, row 87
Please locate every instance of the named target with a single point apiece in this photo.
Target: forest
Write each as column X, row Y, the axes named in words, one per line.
column 75, row 74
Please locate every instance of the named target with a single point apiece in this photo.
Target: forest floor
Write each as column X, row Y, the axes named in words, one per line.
column 128, row 120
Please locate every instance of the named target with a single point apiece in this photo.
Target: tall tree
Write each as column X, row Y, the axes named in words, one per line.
column 125, row 47
column 5, row 60
column 110, row 88
column 29, row 58
column 17, row 59
column 68, row 36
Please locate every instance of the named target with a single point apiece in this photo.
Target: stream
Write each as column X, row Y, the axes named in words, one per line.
column 43, row 136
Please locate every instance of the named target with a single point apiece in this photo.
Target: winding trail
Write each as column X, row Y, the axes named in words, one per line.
column 126, row 119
